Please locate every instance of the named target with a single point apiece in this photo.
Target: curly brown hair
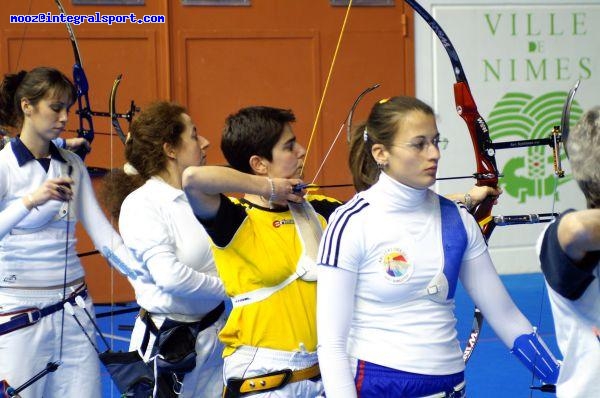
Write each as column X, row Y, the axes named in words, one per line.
column 160, row 123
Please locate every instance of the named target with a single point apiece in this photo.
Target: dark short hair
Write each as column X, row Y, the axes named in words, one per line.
column 253, row 131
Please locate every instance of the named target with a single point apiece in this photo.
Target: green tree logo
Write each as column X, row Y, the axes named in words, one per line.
column 520, row 116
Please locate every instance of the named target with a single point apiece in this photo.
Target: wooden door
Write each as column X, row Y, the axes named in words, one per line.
column 214, row 60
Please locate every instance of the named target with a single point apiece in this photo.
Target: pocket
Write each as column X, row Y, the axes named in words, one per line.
column 128, row 371
column 176, row 343
column 176, row 347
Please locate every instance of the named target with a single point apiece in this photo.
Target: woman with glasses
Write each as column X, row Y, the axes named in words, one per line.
column 389, row 262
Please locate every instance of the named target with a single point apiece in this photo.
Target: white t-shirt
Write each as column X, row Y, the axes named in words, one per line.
column 158, row 225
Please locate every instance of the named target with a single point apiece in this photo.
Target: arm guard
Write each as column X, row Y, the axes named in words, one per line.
column 536, row 356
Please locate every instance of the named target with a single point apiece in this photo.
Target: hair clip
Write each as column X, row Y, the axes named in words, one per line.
column 383, row 101
column 365, row 134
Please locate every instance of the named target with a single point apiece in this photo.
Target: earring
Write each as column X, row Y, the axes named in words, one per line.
column 381, row 165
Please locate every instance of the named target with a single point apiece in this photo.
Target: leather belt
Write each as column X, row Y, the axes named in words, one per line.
column 208, row 320
column 238, row 387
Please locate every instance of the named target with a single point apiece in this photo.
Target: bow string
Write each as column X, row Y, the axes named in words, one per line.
column 86, row 124
column 84, row 111
column 487, row 171
column 114, row 116
column 322, row 100
column 348, row 124
column 484, row 149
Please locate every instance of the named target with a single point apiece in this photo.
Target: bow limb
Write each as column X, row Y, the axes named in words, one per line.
column 487, row 170
column 565, row 118
column 348, row 124
column 86, row 125
column 560, row 134
column 114, row 117
column 354, row 105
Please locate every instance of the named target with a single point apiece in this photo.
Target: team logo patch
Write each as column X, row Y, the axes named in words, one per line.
column 279, row 223
column 396, row 266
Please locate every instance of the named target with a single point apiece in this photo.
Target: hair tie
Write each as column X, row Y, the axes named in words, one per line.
column 130, row 170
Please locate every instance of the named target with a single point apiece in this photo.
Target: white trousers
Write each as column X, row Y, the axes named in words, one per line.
column 25, row 352
column 206, row 380
column 248, row 362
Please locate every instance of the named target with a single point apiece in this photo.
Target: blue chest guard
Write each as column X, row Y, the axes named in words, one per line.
column 454, row 240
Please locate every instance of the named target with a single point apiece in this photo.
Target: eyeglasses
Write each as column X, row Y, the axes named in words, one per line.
column 420, row 144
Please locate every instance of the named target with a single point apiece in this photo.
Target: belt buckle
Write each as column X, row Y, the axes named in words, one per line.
column 34, row 315
column 239, row 387
column 31, row 315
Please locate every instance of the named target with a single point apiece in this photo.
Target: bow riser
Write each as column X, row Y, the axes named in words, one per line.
column 480, row 136
column 487, row 171
column 86, row 125
column 483, row 147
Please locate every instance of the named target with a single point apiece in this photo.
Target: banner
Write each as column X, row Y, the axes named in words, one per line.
column 521, row 62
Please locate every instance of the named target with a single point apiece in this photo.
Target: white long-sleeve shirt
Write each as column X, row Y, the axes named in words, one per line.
column 158, row 225
column 32, row 242
column 378, row 255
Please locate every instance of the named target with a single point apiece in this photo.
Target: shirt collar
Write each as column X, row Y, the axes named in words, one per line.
column 163, row 190
column 398, row 195
column 24, row 155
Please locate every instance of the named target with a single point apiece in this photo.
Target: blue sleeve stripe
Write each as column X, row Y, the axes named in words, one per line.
column 333, row 233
